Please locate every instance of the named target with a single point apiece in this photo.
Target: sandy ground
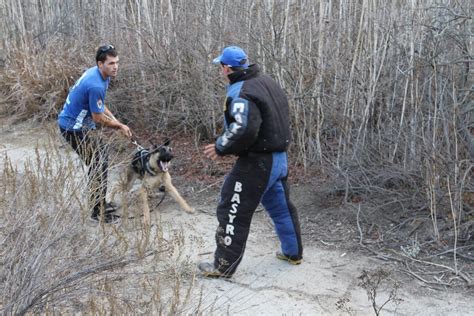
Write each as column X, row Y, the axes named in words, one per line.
column 264, row 285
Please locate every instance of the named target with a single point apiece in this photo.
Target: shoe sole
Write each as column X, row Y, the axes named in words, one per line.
column 215, row 275
column 97, row 221
column 110, row 210
column 290, row 261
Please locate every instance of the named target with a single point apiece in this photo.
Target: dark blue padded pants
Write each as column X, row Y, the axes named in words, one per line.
column 253, row 179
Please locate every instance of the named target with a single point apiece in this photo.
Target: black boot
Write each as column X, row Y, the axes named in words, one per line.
column 107, row 217
column 110, row 207
column 209, row 271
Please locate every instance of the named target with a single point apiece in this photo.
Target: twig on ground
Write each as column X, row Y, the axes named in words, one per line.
column 358, row 227
column 210, row 186
column 448, row 251
column 381, row 255
column 462, row 275
column 408, row 270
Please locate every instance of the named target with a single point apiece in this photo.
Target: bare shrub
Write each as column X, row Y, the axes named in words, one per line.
column 36, row 80
column 53, row 260
column 380, row 93
column 373, row 282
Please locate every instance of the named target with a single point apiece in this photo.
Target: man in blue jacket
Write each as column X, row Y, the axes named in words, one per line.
column 257, row 130
column 84, row 107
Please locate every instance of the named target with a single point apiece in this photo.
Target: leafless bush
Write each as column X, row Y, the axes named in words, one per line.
column 51, row 259
column 36, row 81
column 380, row 93
column 375, row 281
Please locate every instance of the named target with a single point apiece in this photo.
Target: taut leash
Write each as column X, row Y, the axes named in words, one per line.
column 135, row 142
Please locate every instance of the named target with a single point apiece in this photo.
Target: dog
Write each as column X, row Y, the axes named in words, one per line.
column 151, row 167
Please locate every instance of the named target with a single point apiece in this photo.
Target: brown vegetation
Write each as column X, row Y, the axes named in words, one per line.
column 381, row 92
column 51, row 259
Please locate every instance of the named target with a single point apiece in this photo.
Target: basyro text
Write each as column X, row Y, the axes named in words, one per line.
column 229, row 229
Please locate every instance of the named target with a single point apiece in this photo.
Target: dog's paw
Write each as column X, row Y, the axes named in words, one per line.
column 190, row 210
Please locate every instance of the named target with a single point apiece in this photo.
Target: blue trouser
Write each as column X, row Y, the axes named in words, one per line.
column 255, row 178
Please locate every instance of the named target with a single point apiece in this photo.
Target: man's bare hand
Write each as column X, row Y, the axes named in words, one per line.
column 125, row 130
column 210, row 151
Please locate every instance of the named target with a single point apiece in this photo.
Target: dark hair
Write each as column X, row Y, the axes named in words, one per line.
column 104, row 51
column 237, row 68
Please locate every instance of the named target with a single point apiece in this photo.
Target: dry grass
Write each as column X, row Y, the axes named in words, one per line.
column 54, row 260
column 380, row 94
column 36, row 81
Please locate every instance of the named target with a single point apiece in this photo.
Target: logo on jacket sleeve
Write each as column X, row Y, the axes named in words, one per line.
column 99, row 104
column 238, row 107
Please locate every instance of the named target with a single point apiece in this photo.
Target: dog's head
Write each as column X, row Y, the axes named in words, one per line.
column 162, row 155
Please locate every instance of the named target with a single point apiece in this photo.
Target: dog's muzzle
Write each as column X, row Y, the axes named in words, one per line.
column 164, row 165
column 164, row 160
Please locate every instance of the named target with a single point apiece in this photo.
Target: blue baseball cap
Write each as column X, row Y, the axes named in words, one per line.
column 233, row 56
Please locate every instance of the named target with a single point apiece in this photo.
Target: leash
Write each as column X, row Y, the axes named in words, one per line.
column 135, row 142
column 156, row 206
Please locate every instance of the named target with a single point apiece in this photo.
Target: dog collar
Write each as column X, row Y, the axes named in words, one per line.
column 148, row 168
column 141, row 163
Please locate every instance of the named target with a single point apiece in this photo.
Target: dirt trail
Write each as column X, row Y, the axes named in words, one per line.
column 264, row 285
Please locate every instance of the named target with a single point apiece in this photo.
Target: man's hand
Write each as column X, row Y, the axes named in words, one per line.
column 210, row 151
column 125, row 130
column 111, row 121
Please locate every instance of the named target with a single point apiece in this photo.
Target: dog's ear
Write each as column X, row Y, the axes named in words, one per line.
column 167, row 142
column 154, row 149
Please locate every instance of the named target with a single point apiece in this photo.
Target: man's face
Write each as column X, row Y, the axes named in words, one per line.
column 109, row 67
column 225, row 71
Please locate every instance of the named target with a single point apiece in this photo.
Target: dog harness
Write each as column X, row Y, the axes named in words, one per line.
column 141, row 162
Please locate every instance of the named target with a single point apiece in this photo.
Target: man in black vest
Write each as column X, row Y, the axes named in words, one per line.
column 257, row 130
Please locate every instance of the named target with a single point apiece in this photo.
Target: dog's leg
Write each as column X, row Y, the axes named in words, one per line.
column 143, row 199
column 143, row 196
column 131, row 176
column 117, row 188
column 125, row 183
column 174, row 193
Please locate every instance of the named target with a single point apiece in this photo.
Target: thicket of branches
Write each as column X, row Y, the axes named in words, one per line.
column 381, row 92
column 53, row 261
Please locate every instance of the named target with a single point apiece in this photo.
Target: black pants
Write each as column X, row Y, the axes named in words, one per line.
column 253, row 179
column 94, row 153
